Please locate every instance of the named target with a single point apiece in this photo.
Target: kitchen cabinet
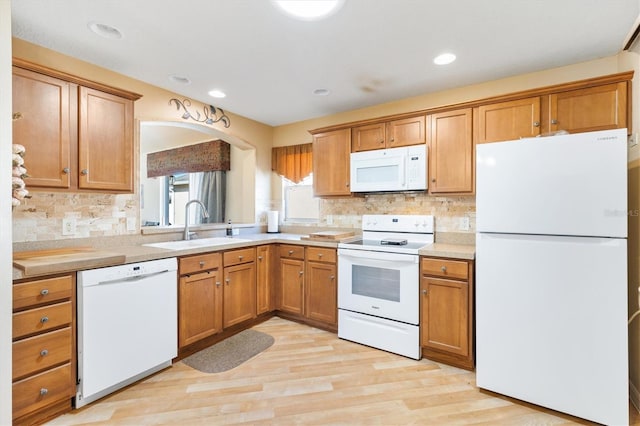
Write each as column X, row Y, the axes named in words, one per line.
column 308, row 284
column 264, row 278
column 199, row 297
column 446, row 311
column 601, row 107
column 390, row 134
column 331, row 151
column 44, row 378
column 508, row 120
column 78, row 134
column 321, row 289
column 451, row 159
column 239, row 286
column 291, row 279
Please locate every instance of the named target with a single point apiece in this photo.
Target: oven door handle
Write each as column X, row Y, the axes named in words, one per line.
column 378, row 255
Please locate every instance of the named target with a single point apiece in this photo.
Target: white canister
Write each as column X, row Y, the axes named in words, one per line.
column 272, row 221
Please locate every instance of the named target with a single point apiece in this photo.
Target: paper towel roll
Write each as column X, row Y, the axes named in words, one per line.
column 272, row 221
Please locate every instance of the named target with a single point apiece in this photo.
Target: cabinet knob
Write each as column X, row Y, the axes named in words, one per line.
column 240, row 257
column 320, row 255
column 347, row 184
column 44, row 319
column 44, row 391
column 84, row 172
column 16, row 115
column 536, row 124
column 227, row 280
column 44, row 291
column 66, row 170
column 217, row 283
column 433, row 180
column 300, row 273
column 424, row 291
column 259, row 257
column 443, row 269
column 290, row 252
column 332, row 277
column 201, row 263
column 44, row 352
column 554, row 121
column 393, row 139
column 382, row 141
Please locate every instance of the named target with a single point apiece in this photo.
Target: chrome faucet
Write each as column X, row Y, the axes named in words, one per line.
column 205, row 215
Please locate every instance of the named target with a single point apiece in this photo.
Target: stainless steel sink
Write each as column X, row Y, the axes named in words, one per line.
column 202, row 242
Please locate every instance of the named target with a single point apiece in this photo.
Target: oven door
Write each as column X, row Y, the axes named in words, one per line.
column 379, row 283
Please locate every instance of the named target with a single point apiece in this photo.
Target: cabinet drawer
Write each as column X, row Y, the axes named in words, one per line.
column 318, row 254
column 43, row 389
column 445, row 268
column 292, row 251
column 42, row 291
column 41, row 319
column 236, row 257
column 40, row 352
column 198, row 263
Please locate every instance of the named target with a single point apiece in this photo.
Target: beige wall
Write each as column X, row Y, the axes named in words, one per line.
column 40, row 218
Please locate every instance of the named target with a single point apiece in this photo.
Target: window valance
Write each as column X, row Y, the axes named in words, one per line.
column 202, row 157
column 293, row 162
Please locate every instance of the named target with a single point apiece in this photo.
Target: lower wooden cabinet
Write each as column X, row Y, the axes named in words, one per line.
column 199, row 298
column 308, row 284
column 446, row 318
column 239, row 286
column 44, row 346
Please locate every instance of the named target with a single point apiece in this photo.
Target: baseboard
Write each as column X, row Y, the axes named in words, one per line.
column 634, row 395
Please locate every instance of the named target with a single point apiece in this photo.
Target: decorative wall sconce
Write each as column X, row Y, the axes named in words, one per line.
column 210, row 113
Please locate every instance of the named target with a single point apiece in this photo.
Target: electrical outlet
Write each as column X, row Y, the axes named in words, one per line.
column 633, row 140
column 68, row 226
column 131, row 224
column 329, row 218
column 464, row 223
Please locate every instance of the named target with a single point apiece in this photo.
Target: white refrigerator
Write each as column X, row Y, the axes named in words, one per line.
column 551, row 283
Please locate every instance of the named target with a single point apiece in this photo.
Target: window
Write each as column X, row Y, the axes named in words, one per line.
column 299, row 203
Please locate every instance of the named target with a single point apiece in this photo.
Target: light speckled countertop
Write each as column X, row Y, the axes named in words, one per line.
column 139, row 252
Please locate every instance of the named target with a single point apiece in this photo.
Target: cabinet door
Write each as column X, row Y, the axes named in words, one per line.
column 408, row 131
column 445, row 315
column 239, row 294
column 291, row 281
column 44, row 127
column 508, row 120
column 321, row 293
column 264, row 295
column 368, row 137
column 331, row 153
column 105, row 141
column 199, row 307
column 588, row 110
column 451, row 162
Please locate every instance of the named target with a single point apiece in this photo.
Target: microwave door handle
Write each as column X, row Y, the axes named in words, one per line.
column 403, row 173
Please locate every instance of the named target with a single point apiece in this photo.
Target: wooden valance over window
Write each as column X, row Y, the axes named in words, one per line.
column 293, row 162
column 201, row 157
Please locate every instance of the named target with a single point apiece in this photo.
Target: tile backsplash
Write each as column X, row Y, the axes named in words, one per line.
column 91, row 215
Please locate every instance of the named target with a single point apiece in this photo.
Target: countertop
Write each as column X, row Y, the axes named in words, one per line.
column 139, row 253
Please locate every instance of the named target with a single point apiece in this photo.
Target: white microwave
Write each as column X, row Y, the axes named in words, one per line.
column 393, row 169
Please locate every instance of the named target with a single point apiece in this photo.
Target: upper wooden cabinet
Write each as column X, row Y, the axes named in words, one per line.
column 510, row 120
column 105, row 141
column 587, row 110
column 451, row 152
column 331, row 152
column 78, row 134
column 391, row 134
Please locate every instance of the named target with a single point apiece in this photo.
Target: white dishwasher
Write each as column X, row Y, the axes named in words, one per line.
column 127, row 325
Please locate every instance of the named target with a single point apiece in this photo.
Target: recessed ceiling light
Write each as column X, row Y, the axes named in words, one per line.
column 176, row 78
column 444, row 59
column 321, row 92
column 104, row 30
column 309, row 10
column 217, row 93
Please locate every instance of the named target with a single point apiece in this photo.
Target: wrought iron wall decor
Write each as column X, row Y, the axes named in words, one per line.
column 210, row 113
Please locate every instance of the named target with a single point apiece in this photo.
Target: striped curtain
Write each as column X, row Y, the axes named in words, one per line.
column 293, row 162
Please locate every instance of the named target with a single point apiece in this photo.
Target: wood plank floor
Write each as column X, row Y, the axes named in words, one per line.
column 310, row 376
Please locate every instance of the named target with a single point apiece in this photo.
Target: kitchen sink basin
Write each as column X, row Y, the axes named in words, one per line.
column 202, row 242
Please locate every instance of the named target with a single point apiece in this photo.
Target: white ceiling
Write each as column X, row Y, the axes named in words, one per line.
column 370, row 52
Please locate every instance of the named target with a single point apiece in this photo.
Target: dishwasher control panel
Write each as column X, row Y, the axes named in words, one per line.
column 129, row 271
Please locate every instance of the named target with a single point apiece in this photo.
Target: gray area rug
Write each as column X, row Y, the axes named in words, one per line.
column 230, row 352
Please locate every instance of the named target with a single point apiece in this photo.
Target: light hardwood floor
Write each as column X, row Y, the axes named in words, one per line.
column 310, row 376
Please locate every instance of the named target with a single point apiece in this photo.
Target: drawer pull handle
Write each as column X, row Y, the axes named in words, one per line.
column 44, row 352
column 240, row 257
column 201, row 263
column 44, row 319
column 290, row 252
column 44, row 292
column 443, row 269
column 44, row 391
column 320, row 255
